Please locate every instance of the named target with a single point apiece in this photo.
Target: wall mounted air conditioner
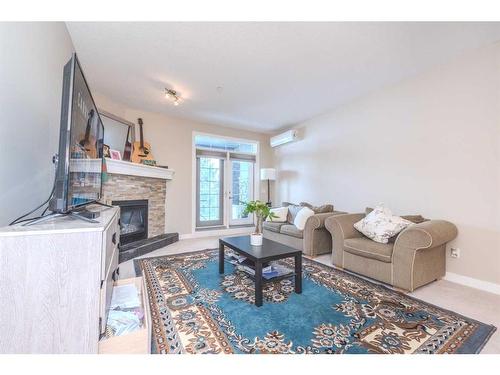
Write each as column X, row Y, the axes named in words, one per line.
column 286, row 137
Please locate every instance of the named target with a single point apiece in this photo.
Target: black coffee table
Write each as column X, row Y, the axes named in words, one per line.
column 270, row 250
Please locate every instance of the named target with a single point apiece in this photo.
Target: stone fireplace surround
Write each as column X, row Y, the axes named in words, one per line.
column 120, row 187
column 130, row 181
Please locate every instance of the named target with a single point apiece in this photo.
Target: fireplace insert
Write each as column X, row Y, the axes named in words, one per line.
column 133, row 220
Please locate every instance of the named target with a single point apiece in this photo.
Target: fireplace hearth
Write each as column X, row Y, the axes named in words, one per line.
column 133, row 220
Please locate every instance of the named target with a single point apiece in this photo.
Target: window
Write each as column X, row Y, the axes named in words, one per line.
column 221, row 144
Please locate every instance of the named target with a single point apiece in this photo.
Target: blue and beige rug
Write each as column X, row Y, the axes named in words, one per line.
column 196, row 310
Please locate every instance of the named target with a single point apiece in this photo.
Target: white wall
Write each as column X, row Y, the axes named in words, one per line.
column 171, row 143
column 32, row 57
column 429, row 145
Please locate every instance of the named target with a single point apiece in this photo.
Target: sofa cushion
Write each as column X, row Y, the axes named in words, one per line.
column 291, row 230
column 272, row 226
column 318, row 209
column 369, row 249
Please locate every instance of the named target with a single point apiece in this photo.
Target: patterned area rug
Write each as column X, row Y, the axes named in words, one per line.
column 196, row 310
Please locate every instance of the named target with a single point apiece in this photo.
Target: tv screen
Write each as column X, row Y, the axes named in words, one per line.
column 79, row 172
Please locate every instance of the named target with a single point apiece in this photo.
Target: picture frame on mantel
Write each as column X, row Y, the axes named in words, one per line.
column 119, row 134
column 115, row 154
column 105, row 151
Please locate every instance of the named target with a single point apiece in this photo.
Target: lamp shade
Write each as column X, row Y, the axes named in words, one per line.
column 268, row 174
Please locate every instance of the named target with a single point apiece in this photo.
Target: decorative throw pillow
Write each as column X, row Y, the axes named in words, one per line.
column 281, row 213
column 293, row 210
column 380, row 224
column 318, row 209
column 302, row 216
column 416, row 219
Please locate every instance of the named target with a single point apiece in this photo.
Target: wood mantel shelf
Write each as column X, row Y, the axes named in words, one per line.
column 134, row 169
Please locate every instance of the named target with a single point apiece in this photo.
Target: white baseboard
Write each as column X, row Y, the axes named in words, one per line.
column 473, row 283
column 218, row 232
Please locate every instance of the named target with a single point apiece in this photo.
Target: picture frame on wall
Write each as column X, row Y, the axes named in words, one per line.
column 115, row 154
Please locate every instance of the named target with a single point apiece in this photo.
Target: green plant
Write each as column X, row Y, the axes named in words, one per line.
column 262, row 211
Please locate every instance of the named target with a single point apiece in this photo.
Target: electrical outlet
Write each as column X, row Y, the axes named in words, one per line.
column 455, row 252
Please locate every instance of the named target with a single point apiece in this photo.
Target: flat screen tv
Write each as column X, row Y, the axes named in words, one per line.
column 78, row 179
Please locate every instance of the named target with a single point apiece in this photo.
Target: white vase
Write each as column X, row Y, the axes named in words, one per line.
column 256, row 239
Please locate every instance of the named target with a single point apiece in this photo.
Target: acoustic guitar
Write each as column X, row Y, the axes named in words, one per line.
column 127, row 152
column 142, row 150
column 88, row 142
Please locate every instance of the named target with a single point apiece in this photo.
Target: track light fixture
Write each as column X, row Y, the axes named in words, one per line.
column 172, row 95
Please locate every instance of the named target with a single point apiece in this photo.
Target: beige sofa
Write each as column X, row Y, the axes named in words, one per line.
column 313, row 240
column 416, row 256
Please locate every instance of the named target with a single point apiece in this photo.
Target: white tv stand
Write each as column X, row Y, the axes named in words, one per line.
column 56, row 282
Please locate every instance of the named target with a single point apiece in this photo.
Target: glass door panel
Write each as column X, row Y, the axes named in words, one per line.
column 210, row 200
column 240, row 191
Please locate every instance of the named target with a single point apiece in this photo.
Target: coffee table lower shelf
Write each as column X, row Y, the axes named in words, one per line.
column 273, row 279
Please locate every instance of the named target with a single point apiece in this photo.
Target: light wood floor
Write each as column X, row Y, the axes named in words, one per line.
column 474, row 303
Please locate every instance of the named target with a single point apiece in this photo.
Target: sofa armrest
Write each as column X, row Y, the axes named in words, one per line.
column 316, row 238
column 418, row 255
column 316, row 221
column 341, row 227
column 428, row 234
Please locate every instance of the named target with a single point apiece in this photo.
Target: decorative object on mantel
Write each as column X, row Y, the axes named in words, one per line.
column 105, row 151
column 262, row 212
column 268, row 174
column 149, row 162
column 115, row 154
column 142, row 150
column 127, row 153
column 119, row 134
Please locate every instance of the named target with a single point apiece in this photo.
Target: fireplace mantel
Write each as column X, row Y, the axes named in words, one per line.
column 134, row 169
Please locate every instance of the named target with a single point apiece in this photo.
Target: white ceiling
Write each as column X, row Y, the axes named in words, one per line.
column 273, row 75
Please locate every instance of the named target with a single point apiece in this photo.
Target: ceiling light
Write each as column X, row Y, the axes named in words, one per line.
column 173, row 95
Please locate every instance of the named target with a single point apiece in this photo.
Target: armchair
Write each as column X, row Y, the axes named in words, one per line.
column 415, row 258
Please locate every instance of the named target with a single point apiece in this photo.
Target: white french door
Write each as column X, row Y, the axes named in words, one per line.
column 225, row 180
column 240, row 190
column 209, row 191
